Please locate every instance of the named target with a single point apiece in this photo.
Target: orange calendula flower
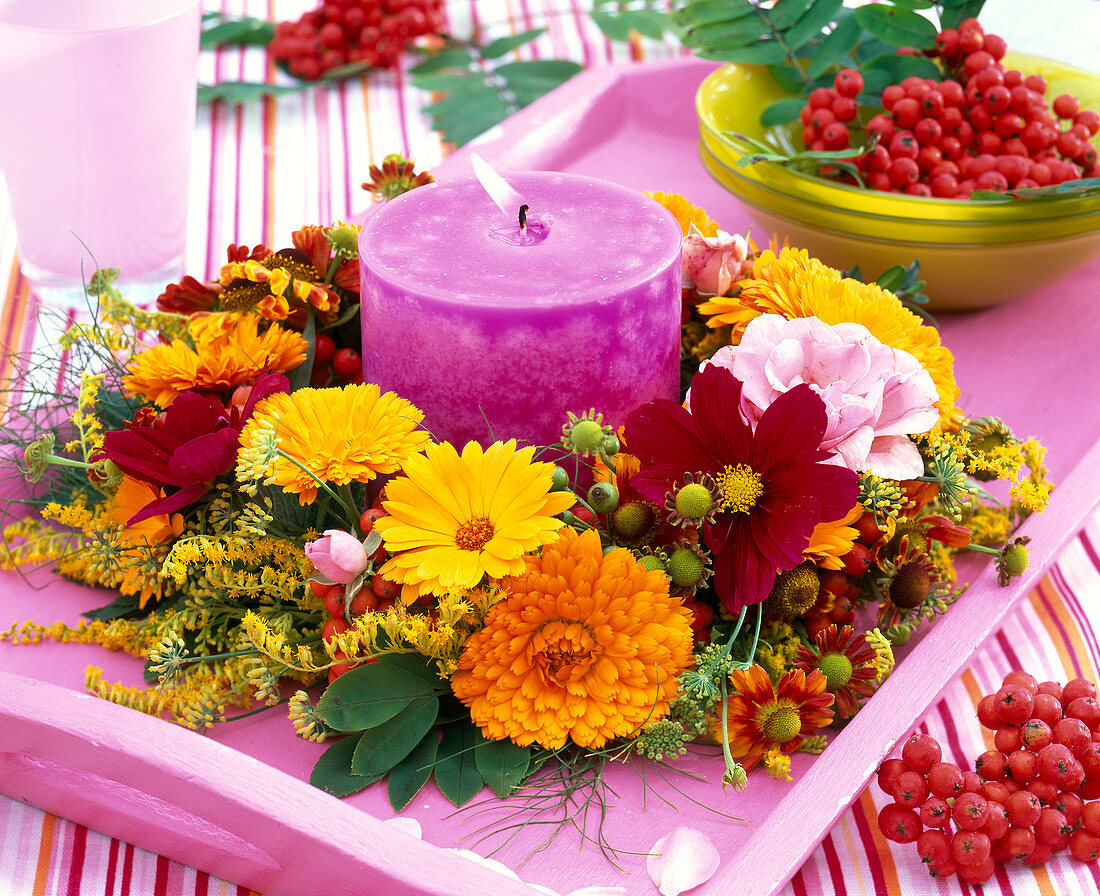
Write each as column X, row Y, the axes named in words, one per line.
column 351, row 434
column 832, row 540
column 453, row 519
column 761, row 717
column 226, row 351
column 142, row 541
column 685, row 213
column 793, row 284
column 585, row 647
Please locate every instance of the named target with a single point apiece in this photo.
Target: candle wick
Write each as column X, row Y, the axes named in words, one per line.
column 523, row 218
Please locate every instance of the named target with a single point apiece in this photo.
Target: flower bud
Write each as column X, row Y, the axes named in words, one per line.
column 338, row 555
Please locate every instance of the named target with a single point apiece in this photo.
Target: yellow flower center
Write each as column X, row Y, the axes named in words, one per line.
column 836, row 668
column 562, row 651
column 780, row 723
column 474, row 534
column 741, row 488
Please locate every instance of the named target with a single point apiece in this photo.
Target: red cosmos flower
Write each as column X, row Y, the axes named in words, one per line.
column 774, row 486
column 185, row 449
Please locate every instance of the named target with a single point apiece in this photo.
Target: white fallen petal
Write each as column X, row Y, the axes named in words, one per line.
column 682, row 861
column 408, row 825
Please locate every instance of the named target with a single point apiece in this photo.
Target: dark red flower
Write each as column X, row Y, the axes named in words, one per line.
column 774, row 486
column 187, row 448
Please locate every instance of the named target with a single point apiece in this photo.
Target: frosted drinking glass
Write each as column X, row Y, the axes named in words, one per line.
column 97, row 116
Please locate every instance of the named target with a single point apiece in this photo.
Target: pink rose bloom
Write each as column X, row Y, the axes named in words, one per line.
column 875, row 396
column 338, row 555
column 714, row 263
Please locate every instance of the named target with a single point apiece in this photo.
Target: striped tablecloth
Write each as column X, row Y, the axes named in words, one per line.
column 261, row 170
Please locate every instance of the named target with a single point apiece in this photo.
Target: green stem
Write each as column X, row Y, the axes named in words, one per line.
column 56, row 460
column 255, row 712
column 348, row 500
column 349, row 509
column 982, row 549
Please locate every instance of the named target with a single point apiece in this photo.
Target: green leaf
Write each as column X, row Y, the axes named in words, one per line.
column 621, row 25
column 299, row 376
column 954, row 11
column 455, row 764
column 897, row 68
column 417, row 665
column 447, row 81
column 705, row 12
column 370, row 695
column 898, row 27
column 836, row 48
column 411, row 773
column 504, row 45
column 529, row 80
column 383, row 746
column 444, row 59
column 333, row 774
column 243, row 91
column 788, row 77
column 720, row 36
column 451, row 709
column 786, row 12
column 810, row 25
column 891, row 278
column 782, row 111
column 768, row 52
column 123, row 605
column 247, row 31
column 502, row 764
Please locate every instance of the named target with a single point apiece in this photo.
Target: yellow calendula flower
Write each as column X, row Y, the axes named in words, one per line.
column 585, row 647
column 793, row 284
column 453, row 519
column 339, row 435
column 225, row 351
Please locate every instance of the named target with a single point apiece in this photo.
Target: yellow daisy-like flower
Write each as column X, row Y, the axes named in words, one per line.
column 585, row 647
column 350, row 434
column 793, row 284
column 453, row 519
column 228, row 351
column 831, row 541
column 685, row 213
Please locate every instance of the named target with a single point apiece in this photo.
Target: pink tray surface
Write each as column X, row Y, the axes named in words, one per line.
column 236, row 802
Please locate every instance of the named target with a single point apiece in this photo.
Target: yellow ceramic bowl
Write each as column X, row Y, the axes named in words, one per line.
column 972, row 253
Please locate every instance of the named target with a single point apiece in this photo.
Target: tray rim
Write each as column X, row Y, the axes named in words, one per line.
column 754, row 867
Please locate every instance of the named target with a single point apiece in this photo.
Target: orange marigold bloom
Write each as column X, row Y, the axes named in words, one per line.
column 227, row 350
column 761, row 717
column 584, row 647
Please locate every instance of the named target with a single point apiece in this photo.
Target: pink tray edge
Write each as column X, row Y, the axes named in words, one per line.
column 260, row 809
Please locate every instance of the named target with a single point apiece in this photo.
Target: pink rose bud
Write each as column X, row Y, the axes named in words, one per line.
column 714, row 263
column 338, row 555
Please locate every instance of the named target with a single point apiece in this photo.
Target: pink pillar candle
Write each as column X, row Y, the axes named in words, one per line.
column 496, row 333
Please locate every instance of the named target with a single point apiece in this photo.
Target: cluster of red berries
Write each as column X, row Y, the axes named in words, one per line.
column 841, row 588
column 349, row 32
column 1032, row 796
column 378, row 594
column 333, row 365
column 980, row 128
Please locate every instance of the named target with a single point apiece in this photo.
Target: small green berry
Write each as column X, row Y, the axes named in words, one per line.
column 603, row 497
column 559, row 480
column 611, row 445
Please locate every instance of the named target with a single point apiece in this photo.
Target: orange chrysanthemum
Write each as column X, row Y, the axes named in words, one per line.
column 793, row 284
column 761, row 717
column 142, row 541
column 228, row 351
column 350, row 434
column 685, row 213
column 585, row 647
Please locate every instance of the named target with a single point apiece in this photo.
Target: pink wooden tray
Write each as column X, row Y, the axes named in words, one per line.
column 235, row 803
